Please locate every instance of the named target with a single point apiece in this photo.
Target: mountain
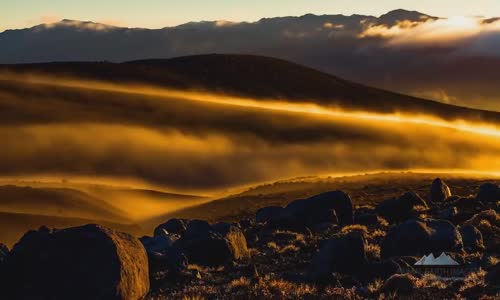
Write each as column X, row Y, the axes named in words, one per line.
column 71, row 40
column 398, row 51
column 250, row 76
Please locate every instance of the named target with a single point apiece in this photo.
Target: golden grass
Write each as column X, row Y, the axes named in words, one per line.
column 474, row 279
column 372, row 251
column 355, row 228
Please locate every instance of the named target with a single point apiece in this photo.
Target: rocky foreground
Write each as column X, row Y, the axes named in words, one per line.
column 320, row 247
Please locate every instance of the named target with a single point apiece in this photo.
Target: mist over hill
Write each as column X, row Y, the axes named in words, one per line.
column 449, row 60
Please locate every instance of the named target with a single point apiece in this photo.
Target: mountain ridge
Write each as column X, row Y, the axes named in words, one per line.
column 257, row 77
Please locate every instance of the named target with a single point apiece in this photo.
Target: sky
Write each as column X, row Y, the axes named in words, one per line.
column 161, row 13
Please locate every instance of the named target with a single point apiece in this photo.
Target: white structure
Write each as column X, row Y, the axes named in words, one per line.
column 442, row 260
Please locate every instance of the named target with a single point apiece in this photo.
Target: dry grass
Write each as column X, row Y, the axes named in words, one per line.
column 373, row 251
column 287, row 248
column 488, row 215
column 375, row 286
column 355, row 228
column 241, row 282
column 196, row 297
column 378, row 234
column 473, row 279
column 430, row 281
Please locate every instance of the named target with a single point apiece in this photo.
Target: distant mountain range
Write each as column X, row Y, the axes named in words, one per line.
column 461, row 70
column 70, row 40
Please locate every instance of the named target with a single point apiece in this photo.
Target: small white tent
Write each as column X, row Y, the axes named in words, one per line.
column 442, row 260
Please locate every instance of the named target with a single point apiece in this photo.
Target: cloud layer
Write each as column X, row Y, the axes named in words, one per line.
column 191, row 142
column 403, row 51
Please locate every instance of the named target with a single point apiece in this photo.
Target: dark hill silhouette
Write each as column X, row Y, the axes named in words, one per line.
column 256, row 77
column 62, row 202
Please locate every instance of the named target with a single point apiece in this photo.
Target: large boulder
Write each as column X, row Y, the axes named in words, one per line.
column 439, row 191
column 265, row 214
column 337, row 201
column 400, row 284
column 493, row 275
column 176, row 226
column 380, row 270
column 488, row 192
column 327, row 208
column 3, row 252
column 420, row 237
column 400, row 209
column 159, row 243
column 472, row 238
column 87, row 262
column 205, row 246
column 342, row 254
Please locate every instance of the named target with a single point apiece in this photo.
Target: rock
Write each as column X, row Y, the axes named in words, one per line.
column 439, row 191
column 331, row 207
column 222, row 227
column 265, row 214
column 176, row 226
column 448, row 213
column 421, row 237
column 159, row 243
column 343, row 254
column 197, row 228
column 472, row 238
column 87, row 262
column 3, row 252
column 488, row 192
column 401, row 209
column 380, row 270
column 338, row 201
column 401, row 284
column 204, row 246
column 303, row 213
column 493, row 275
column 366, row 219
column 246, row 223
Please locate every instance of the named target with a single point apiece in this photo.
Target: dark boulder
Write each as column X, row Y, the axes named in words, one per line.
column 380, row 270
column 472, row 238
column 400, row 284
column 449, row 213
column 265, row 214
column 87, row 262
column 331, row 207
column 337, row 201
column 400, row 209
column 3, row 252
column 207, row 247
column 488, row 192
column 176, row 226
column 197, row 228
column 420, row 237
column 439, row 191
column 493, row 275
column 342, row 254
column 223, row 227
column 366, row 219
column 158, row 243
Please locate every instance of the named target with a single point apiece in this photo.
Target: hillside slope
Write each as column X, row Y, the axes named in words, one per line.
column 254, row 77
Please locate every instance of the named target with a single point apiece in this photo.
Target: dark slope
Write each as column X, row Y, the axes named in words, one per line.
column 61, row 202
column 256, row 77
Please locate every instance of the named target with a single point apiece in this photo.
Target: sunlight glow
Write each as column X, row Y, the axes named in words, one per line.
column 401, row 118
